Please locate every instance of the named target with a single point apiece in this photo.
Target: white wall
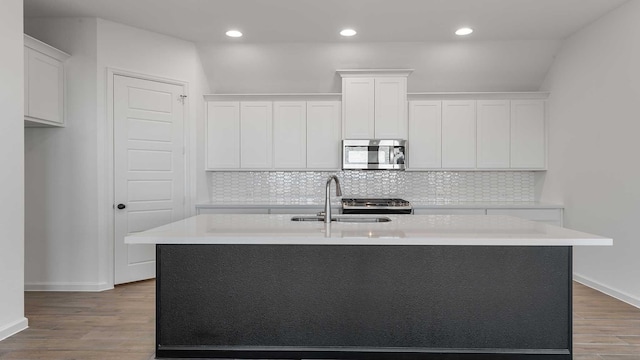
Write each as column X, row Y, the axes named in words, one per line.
column 439, row 66
column 594, row 147
column 12, row 317
column 69, row 245
column 61, row 170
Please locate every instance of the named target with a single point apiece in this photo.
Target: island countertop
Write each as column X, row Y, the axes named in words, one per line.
column 458, row 230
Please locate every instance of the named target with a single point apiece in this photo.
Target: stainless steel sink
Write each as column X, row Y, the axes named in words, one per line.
column 344, row 218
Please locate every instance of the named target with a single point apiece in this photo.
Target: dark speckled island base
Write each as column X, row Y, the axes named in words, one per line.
column 363, row 302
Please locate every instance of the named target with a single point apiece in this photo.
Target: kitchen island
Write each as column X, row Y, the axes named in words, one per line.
column 417, row 287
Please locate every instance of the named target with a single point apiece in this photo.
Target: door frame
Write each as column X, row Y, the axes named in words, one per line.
column 106, row 194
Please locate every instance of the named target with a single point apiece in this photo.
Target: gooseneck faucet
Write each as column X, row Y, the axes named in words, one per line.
column 327, row 200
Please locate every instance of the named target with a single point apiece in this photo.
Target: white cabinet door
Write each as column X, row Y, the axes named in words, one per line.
column 358, row 99
column 290, row 134
column 26, row 80
column 45, row 87
column 391, row 108
column 425, row 135
column 493, row 120
column 459, row 134
column 256, row 134
column 324, row 134
column 528, row 134
column 223, row 135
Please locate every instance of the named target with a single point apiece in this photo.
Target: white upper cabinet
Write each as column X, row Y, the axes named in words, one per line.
column 391, row 108
column 256, row 134
column 425, row 135
column 374, row 104
column 358, row 100
column 528, row 134
column 494, row 137
column 290, row 134
column 282, row 134
column 458, row 134
column 43, row 84
column 445, row 131
column 324, row 135
column 223, row 135
column 483, row 134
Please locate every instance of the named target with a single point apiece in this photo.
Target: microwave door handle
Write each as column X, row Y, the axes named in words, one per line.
column 372, row 155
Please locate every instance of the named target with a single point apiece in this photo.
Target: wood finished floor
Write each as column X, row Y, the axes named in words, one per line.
column 119, row 325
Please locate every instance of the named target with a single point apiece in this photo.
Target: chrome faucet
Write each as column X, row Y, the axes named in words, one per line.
column 327, row 200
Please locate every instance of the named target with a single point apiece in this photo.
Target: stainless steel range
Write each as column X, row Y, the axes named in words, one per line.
column 376, row 206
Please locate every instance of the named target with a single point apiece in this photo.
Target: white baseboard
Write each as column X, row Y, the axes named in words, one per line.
column 620, row 295
column 85, row 287
column 13, row 328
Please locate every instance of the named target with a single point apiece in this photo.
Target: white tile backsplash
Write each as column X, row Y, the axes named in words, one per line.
column 284, row 187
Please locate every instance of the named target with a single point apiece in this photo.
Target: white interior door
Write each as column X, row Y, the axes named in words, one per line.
column 149, row 174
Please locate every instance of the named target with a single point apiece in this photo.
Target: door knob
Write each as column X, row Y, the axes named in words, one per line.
column 121, row 206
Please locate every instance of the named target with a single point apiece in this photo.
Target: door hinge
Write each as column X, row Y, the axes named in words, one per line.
column 182, row 98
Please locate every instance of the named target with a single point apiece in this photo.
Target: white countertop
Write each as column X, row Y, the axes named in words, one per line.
column 485, row 230
column 415, row 204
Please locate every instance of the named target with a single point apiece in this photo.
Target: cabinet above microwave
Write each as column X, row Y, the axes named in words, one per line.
column 374, row 103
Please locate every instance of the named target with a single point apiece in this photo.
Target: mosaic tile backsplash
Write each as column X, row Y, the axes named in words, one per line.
column 283, row 187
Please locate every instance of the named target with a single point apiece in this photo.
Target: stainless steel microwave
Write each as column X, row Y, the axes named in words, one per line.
column 373, row 154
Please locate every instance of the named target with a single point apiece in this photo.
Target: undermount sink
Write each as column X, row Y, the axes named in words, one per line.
column 339, row 218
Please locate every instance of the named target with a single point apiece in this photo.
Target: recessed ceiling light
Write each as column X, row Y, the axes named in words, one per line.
column 348, row 32
column 464, row 31
column 234, row 33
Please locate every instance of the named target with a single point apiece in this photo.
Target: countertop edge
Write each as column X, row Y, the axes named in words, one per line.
column 364, row 241
column 415, row 230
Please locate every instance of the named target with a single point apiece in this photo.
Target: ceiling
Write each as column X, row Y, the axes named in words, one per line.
column 269, row 21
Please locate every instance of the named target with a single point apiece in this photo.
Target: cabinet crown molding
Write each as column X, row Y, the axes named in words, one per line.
column 373, row 72
column 44, row 48
column 507, row 95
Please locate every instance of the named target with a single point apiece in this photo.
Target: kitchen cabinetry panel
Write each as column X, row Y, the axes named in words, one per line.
column 528, row 134
column 324, row 134
column 359, row 108
column 44, row 84
column 223, row 135
column 459, row 134
column 494, row 138
column 390, row 108
column 290, row 134
column 256, row 134
column 425, row 135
